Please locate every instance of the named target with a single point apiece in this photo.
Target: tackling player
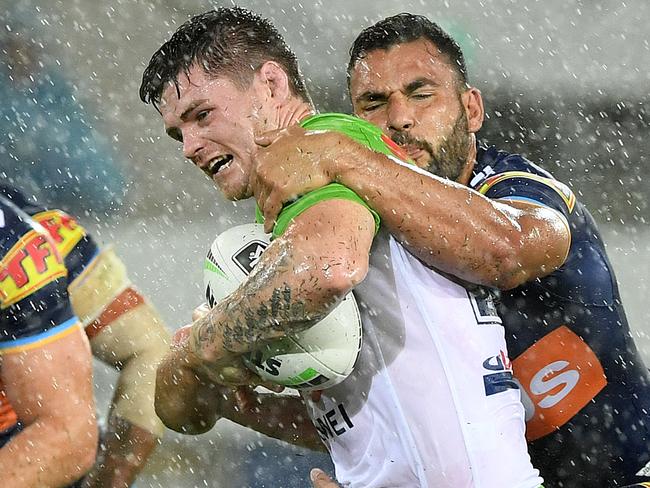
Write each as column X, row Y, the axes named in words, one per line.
column 48, row 433
column 505, row 223
column 224, row 77
column 125, row 332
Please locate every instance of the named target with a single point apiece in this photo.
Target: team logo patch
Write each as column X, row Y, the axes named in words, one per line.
column 32, row 263
column 63, row 229
column 247, row 257
column 559, row 375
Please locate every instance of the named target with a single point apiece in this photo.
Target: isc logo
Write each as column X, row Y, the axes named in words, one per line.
column 558, row 376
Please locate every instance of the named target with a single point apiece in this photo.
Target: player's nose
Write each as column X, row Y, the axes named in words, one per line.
column 400, row 116
column 192, row 146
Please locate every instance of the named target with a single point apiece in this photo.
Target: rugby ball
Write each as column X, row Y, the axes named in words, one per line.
column 314, row 359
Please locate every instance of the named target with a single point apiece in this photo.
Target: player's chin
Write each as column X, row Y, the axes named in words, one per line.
column 232, row 190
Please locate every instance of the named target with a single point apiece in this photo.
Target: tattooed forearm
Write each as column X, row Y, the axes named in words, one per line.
column 283, row 294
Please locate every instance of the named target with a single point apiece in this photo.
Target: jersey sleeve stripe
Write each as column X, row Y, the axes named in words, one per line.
column 333, row 191
column 40, row 340
column 127, row 300
column 560, row 188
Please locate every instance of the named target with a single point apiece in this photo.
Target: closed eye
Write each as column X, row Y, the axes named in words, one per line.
column 372, row 106
column 202, row 115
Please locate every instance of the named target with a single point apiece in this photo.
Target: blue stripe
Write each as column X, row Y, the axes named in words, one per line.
column 42, row 336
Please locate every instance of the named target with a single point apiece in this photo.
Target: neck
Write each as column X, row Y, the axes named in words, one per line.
column 293, row 112
column 466, row 174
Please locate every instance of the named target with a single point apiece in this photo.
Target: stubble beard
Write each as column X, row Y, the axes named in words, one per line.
column 450, row 158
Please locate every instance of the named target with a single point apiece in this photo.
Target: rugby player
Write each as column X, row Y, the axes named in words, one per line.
column 48, row 432
column 222, row 78
column 125, row 332
column 491, row 218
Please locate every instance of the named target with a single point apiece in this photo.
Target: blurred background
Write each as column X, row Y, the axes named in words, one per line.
column 566, row 83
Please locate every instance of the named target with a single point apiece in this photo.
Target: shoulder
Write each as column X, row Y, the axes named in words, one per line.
column 34, row 305
column 502, row 175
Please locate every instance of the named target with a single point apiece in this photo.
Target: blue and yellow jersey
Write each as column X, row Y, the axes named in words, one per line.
column 574, row 354
column 34, row 305
column 74, row 244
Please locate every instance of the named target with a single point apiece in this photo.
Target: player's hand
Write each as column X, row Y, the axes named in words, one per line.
column 291, row 162
column 320, row 480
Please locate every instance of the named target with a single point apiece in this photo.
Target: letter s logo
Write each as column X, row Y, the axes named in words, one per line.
column 559, row 374
column 540, row 386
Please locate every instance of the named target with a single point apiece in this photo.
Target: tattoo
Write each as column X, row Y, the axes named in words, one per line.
column 266, row 306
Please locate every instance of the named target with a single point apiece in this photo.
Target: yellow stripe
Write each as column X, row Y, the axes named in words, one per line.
column 43, row 342
column 560, row 188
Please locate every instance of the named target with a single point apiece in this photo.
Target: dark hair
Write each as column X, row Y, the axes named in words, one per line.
column 403, row 28
column 233, row 42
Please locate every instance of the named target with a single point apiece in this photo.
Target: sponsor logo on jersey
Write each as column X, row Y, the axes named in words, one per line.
column 333, row 423
column 560, row 188
column 64, row 229
column 559, row 375
column 485, row 311
column 501, row 377
column 247, row 257
column 32, row 263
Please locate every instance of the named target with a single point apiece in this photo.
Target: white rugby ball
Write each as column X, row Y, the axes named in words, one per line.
column 314, row 359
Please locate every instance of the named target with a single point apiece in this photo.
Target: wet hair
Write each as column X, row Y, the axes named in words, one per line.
column 231, row 42
column 403, row 28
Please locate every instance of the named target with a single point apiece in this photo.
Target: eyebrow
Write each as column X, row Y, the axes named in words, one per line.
column 173, row 132
column 372, row 96
column 186, row 113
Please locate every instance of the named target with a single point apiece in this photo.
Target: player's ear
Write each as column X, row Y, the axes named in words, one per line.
column 473, row 105
column 275, row 80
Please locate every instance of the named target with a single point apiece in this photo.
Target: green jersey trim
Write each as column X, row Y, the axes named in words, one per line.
column 333, row 191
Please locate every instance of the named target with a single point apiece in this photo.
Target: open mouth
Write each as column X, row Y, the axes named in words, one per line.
column 219, row 164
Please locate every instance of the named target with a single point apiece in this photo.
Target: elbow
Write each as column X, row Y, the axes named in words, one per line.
column 508, row 272
column 344, row 275
column 519, row 264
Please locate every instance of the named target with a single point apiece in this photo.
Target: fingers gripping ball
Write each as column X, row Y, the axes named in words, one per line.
column 317, row 358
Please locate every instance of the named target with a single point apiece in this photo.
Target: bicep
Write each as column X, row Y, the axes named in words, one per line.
column 545, row 236
column 54, row 380
column 335, row 229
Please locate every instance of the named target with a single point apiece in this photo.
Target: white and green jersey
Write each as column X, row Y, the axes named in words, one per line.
column 431, row 401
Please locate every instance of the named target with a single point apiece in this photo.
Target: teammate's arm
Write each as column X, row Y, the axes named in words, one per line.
column 300, row 278
column 447, row 225
column 128, row 334
column 50, row 388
